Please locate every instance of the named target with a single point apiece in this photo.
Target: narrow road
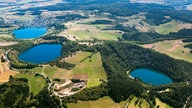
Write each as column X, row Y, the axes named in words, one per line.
column 6, row 55
column 188, row 99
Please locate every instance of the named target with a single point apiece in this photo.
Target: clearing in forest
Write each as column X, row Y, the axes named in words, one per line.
column 36, row 83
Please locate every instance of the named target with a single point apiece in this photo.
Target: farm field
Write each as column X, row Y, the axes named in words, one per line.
column 173, row 48
column 36, row 83
column 105, row 102
column 138, row 22
column 89, row 69
column 85, row 31
column 172, row 26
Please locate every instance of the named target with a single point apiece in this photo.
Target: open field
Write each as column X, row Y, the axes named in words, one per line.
column 172, row 26
column 161, row 104
column 137, row 22
column 5, row 72
column 7, row 43
column 105, row 102
column 137, row 102
column 36, row 83
column 85, row 31
column 5, row 36
column 77, row 58
column 173, row 48
column 91, row 68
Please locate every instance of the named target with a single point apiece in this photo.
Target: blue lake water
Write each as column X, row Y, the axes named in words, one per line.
column 151, row 76
column 29, row 33
column 42, row 53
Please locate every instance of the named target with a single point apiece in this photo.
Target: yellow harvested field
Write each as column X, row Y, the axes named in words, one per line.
column 5, row 72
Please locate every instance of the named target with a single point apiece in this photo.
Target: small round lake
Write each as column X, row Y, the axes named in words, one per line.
column 42, row 53
column 151, row 76
column 29, row 33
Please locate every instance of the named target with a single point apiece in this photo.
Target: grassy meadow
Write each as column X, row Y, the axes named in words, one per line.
column 90, row 69
column 107, row 102
column 36, row 83
column 173, row 48
column 87, row 31
column 172, row 26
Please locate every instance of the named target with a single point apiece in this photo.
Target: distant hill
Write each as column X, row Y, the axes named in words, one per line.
column 22, row 1
column 148, row 1
column 10, row 1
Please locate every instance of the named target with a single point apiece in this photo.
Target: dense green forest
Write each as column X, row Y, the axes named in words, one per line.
column 70, row 17
column 145, row 37
column 102, row 22
column 14, row 93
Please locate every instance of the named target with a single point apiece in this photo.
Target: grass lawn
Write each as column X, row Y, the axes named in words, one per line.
column 105, row 102
column 36, row 84
column 173, row 48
